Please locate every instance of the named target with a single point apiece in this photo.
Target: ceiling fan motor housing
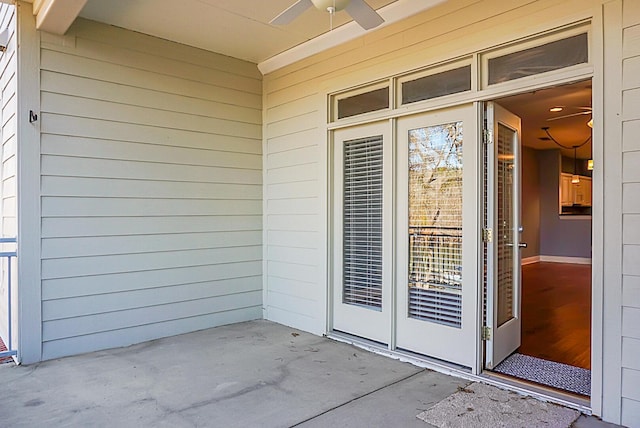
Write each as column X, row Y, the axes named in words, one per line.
column 334, row 5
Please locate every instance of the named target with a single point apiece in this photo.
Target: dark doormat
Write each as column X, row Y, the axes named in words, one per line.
column 549, row 373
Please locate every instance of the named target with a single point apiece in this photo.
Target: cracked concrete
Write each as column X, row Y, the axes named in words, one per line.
column 256, row 374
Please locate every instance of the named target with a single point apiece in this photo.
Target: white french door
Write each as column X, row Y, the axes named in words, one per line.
column 362, row 248
column 503, row 307
column 437, row 229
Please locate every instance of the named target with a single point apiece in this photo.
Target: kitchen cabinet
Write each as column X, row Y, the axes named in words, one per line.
column 572, row 194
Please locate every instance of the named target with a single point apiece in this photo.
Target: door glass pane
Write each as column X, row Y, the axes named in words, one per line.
column 362, row 233
column 435, row 224
column 505, row 195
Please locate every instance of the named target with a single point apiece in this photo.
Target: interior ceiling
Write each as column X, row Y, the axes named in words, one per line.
column 238, row 28
column 533, row 109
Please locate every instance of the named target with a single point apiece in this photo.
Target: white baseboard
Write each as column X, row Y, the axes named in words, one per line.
column 530, row 260
column 562, row 259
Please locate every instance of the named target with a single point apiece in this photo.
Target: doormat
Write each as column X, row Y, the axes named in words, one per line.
column 484, row 406
column 549, row 373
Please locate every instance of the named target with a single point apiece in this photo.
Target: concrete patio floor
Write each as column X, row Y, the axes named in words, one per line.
column 254, row 374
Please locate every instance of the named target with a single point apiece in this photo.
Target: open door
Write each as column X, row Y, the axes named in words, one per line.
column 503, row 316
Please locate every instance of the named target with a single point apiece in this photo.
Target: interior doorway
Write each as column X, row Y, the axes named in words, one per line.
column 539, row 263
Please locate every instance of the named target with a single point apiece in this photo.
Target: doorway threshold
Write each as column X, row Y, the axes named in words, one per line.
column 572, row 401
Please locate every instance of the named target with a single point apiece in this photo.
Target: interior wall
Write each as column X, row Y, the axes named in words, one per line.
column 530, row 203
column 560, row 237
column 151, row 184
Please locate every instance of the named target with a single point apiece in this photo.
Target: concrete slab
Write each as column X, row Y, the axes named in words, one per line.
column 249, row 374
column 480, row 405
column 394, row 406
column 256, row 374
column 592, row 422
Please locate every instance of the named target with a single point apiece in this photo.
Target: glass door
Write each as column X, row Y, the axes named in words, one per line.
column 503, row 249
column 437, row 230
column 362, row 234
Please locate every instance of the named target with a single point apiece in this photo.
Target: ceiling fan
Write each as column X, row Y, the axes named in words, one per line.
column 359, row 10
column 585, row 110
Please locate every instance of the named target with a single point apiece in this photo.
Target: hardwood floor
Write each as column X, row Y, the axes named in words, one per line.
column 556, row 312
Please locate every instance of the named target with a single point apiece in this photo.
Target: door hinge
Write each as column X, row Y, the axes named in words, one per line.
column 487, row 235
column 486, row 333
column 487, row 136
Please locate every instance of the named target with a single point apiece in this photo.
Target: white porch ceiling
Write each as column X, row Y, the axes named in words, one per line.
column 240, row 28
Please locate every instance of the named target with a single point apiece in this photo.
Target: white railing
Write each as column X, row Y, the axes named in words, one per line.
column 9, row 255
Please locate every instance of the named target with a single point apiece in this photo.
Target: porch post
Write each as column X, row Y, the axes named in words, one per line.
column 28, row 187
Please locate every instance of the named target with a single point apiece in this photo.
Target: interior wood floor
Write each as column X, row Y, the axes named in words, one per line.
column 556, row 312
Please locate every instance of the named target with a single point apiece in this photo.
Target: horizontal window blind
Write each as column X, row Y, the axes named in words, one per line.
column 362, row 223
column 505, row 170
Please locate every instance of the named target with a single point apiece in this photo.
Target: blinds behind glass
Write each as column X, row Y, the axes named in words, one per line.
column 362, row 222
column 435, row 224
column 505, row 171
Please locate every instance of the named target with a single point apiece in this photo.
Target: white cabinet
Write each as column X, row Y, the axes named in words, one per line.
column 582, row 192
column 575, row 193
column 566, row 191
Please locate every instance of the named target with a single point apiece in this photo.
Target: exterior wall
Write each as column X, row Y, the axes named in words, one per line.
column 8, row 164
column 559, row 237
column 297, row 167
column 295, row 159
column 151, row 189
column 631, row 214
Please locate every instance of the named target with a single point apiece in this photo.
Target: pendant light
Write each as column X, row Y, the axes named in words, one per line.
column 575, row 179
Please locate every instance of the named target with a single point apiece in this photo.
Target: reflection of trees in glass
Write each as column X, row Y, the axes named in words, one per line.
column 435, row 207
column 435, row 176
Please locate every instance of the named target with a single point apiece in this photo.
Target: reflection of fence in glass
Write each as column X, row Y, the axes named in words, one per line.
column 436, row 258
column 435, row 223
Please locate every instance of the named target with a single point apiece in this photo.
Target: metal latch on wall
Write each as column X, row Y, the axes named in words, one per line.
column 487, row 235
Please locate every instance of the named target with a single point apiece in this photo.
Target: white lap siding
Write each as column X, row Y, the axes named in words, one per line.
column 297, row 223
column 151, row 184
column 631, row 214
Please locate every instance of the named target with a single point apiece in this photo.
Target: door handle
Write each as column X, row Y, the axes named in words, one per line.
column 520, row 245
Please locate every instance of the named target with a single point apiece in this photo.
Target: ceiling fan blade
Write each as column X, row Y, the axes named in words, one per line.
column 564, row 116
column 363, row 14
column 292, row 12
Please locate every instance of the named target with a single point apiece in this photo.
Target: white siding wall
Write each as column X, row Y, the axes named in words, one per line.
column 295, row 160
column 8, row 106
column 295, row 137
column 151, row 184
column 631, row 215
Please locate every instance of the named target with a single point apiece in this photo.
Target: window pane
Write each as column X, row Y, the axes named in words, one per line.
column 437, row 85
column 435, row 224
column 362, row 234
column 505, row 170
column 540, row 59
column 363, row 103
